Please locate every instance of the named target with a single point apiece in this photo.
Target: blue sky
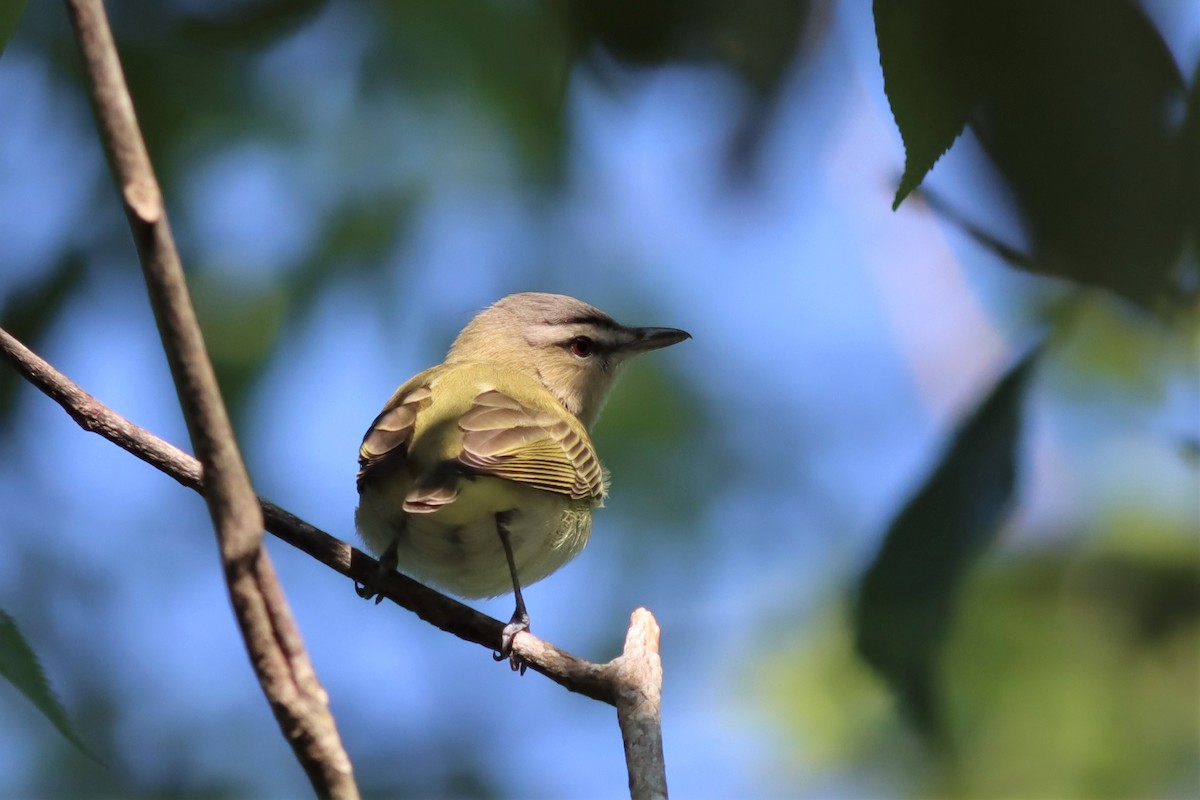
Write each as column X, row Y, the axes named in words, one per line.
column 835, row 344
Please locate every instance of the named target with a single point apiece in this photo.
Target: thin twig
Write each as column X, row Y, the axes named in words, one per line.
column 272, row 640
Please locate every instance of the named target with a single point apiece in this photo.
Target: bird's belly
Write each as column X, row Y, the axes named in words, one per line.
column 458, row 547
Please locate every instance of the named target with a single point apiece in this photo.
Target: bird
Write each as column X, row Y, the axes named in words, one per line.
column 479, row 476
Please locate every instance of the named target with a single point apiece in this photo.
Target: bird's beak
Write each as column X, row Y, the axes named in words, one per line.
column 646, row 339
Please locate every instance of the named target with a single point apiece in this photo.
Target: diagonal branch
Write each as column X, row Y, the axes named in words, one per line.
column 272, row 640
column 466, row 623
column 632, row 682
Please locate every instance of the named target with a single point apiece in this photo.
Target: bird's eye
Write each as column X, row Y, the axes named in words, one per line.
column 580, row 346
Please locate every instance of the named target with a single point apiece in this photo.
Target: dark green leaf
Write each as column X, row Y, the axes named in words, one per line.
column 1080, row 106
column 927, row 78
column 19, row 666
column 907, row 597
column 1081, row 111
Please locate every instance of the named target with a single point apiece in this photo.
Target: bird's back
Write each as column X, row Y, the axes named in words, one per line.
column 434, row 475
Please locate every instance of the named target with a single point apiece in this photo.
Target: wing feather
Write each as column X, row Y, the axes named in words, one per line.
column 504, row 438
column 426, row 499
column 391, row 433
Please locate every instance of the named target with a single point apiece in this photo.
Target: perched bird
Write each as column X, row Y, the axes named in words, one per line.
column 479, row 475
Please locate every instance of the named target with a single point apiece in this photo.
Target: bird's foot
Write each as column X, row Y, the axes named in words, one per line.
column 518, row 623
column 371, row 587
column 368, row 589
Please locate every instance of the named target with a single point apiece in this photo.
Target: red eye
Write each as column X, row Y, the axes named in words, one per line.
column 580, row 346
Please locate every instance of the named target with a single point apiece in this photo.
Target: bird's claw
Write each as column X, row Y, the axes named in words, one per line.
column 367, row 590
column 519, row 622
column 372, row 587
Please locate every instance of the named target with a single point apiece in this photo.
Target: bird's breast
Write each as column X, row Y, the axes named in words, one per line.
column 458, row 547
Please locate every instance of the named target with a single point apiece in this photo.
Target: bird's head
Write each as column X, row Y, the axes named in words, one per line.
column 572, row 348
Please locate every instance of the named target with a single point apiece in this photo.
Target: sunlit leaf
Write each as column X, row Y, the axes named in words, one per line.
column 908, row 595
column 19, row 666
column 1079, row 665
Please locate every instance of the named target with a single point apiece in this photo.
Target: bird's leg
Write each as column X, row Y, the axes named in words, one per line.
column 388, row 561
column 520, row 617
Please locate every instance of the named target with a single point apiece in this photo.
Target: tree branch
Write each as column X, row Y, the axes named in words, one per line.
column 632, row 682
column 596, row 681
column 638, row 676
column 272, row 640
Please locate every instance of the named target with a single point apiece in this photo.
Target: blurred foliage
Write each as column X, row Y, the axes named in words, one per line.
column 1067, row 674
column 195, row 74
column 1046, row 673
column 908, row 595
column 28, row 312
column 1191, row 159
column 1085, row 115
column 10, row 15
column 1051, row 99
column 646, row 430
column 1117, row 356
column 1082, row 109
column 19, row 666
column 759, row 42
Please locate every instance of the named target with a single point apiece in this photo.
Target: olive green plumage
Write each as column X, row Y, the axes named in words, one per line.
column 494, row 444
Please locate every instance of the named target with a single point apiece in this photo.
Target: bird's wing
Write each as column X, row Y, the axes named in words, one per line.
column 390, row 434
column 437, row 490
column 507, row 439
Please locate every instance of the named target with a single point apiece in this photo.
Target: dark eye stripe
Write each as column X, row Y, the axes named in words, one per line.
column 597, row 319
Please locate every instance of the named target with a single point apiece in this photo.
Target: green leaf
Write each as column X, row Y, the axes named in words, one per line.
column 926, row 78
column 19, row 666
column 907, row 596
column 10, row 15
column 1075, row 104
column 1081, row 116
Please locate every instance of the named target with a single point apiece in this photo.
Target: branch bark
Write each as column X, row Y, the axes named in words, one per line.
column 637, row 674
column 632, row 682
column 272, row 640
